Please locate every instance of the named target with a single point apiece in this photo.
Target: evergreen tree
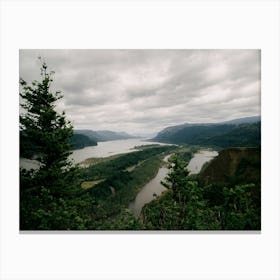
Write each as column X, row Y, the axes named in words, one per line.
column 47, row 130
column 177, row 178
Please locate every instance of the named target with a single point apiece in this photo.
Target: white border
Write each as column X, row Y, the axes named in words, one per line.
column 155, row 24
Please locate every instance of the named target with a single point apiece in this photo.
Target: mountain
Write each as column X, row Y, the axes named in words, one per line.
column 240, row 132
column 243, row 135
column 107, row 135
column 244, row 120
column 80, row 141
column 29, row 150
column 148, row 135
column 104, row 135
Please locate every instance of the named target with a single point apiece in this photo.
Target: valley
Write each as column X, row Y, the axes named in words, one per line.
column 124, row 183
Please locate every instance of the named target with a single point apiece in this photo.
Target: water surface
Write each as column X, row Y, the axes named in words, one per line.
column 29, row 163
column 155, row 187
column 109, row 148
column 147, row 192
column 103, row 149
column 199, row 159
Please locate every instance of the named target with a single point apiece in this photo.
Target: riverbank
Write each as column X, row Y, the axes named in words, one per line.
column 154, row 188
column 126, row 174
column 111, row 148
column 150, row 190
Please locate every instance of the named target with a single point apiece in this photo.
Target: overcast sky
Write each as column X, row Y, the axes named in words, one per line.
column 144, row 91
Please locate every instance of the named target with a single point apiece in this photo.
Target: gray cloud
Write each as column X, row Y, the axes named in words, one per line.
column 146, row 90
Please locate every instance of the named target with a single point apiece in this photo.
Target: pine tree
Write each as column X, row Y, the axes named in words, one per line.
column 177, row 178
column 47, row 130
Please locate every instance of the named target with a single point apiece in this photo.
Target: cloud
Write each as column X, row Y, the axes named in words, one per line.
column 146, row 90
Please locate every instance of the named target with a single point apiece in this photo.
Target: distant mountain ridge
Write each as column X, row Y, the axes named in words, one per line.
column 103, row 135
column 80, row 139
column 238, row 132
column 253, row 119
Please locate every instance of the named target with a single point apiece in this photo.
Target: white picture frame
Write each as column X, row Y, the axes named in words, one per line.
column 139, row 24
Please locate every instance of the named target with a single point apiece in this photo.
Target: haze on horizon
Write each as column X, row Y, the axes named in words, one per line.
column 144, row 91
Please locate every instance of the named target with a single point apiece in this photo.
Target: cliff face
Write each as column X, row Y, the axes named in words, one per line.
column 234, row 165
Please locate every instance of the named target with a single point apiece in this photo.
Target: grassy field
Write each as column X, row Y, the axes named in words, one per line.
column 92, row 161
column 89, row 184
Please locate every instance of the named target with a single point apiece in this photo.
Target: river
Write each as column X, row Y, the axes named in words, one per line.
column 147, row 192
column 155, row 187
column 109, row 148
column 103, row 149
column 199, row 159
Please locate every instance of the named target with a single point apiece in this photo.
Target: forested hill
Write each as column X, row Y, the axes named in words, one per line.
column 28, row 149
column 104, row 135
column 80, row 141
column 235, row 166
column 229, row 134
column 226, row 195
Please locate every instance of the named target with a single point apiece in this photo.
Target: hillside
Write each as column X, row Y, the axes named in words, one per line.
column 236, row 133
column 225, row 196
column 243, row 135
column 104, row 135
column 80, row 141
column 97, row 197
column 28, row 149
column 234, row 166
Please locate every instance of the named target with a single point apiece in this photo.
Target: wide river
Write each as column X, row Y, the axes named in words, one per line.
column 109, row 148
column 103, row 149
column 155, row 187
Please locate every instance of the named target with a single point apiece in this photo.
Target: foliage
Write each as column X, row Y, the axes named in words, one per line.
column 125, row 184
column 187, row 205
column 28, row 149
column 233, row 166
column 46, row 129
column 41, row 210
column 101, row 170
column 51, row 198
column 177, row 179
column 44, row 193
column 215, row 135
column 97, row 208
column 123, row 221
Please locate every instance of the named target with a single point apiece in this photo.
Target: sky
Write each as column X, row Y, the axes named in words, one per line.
column 144, row 91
